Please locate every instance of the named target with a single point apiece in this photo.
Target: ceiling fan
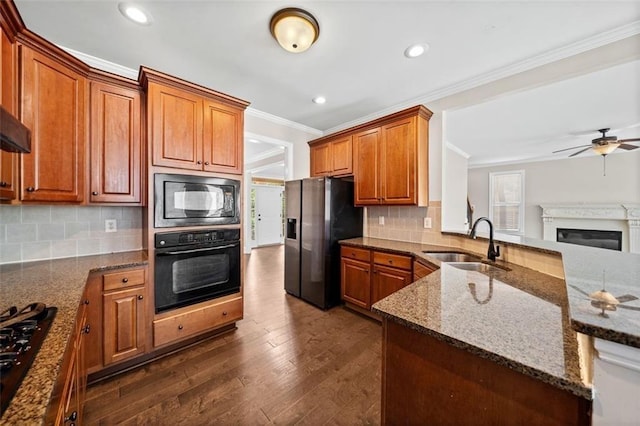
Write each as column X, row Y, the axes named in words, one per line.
column 604, row 144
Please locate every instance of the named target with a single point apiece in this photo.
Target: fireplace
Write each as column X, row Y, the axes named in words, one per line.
column 611, row 240
column 616, row 226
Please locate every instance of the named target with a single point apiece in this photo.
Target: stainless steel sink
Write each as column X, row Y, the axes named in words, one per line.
column 475, row 266
column 452, row 256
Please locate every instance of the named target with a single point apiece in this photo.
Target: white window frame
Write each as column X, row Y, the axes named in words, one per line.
column 520, row 230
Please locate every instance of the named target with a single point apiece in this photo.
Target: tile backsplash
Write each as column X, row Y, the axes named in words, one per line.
column 47, row 232
column 405, row 223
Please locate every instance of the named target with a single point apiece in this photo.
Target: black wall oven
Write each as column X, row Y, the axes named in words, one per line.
column 187, row 200
column 195, row 266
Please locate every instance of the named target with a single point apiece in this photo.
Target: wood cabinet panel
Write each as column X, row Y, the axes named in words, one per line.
column 177, row 327
column 355, row 279
column 420, row 270
column 342, row 156
column 320, row 160
column 393, row 260
column 115, row 144
column 8, row 89
column 53, row 107
column 124, row 324
column 388, row 280
column 398, row 170
column 175, row 120
column 367, row 166
column 223, row 138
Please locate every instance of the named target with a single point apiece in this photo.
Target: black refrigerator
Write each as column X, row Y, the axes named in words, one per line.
column 320, row 212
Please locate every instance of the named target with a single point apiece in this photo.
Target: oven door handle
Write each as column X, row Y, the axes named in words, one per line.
column 168, row 253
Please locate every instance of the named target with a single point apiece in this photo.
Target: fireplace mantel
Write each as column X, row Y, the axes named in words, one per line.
column 623, row 217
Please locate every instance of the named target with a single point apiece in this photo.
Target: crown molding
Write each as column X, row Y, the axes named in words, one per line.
column 282, row 121
column 102, row 64
column 599, row 40
column 457, row 150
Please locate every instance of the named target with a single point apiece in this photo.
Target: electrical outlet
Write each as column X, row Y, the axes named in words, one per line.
column 110, row 225
column 380, row 220
column 427, row 223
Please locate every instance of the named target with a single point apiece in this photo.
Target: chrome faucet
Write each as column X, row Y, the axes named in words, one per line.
column 493, row 252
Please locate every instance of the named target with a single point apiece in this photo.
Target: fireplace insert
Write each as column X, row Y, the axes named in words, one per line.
column 611, row 240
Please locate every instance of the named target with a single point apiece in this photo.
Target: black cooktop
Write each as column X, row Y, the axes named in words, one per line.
column 21, row 335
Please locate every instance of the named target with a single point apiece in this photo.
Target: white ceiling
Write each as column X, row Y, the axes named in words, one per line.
column 358, row 61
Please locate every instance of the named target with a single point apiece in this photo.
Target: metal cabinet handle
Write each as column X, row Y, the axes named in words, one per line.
column 198, row 162
column 206, row 163
column 86, row 329
column 30, row 189
column 390, row 261
column 72, row 417
column 94, row 193
column 125, row 280
column 4, row 184
column 224, row 313
column 180, row 327
column 86, row 301
column 140, row 297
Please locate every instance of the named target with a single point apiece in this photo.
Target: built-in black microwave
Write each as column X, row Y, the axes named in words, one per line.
column 187, row 200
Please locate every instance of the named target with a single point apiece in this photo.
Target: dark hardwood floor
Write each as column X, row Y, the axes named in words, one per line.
column 287, row 363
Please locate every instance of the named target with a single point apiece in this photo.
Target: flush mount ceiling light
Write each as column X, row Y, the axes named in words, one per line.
column 416, row 50
column 294, row 29
column 319, row 100
column 135, row 13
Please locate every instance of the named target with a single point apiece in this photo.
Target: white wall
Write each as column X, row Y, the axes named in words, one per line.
column 454, row 189
column 572, row 180
column 281, row 130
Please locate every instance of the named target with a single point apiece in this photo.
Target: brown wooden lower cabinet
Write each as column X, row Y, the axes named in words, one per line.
column 421, row 270
column 185, row 324
column 427, row 381
column 69, row 391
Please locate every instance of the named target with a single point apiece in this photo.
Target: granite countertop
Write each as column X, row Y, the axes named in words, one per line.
column 517, row 317
column 587, row 270
column 58, row 283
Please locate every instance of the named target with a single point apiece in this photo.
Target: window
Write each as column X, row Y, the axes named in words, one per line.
column 506, row 201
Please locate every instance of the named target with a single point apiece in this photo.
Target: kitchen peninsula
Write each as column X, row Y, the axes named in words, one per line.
column 488, row 346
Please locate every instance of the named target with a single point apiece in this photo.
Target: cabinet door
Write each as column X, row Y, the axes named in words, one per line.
column 320, row 160
column 420, row 270
column 53, row 107
column 175, row 124
column 342, row 156
column 123, row 328
column 367, row 166
column 355, row 279
column 387, row 281
column 398, row 171
column 8, row 76
column 115, row 144
column 223, row 138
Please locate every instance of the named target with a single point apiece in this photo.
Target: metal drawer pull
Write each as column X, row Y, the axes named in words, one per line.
column 180, row 327
column 125, row 280
column 140, row 297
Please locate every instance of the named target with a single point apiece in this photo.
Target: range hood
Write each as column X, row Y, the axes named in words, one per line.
column 14, row 136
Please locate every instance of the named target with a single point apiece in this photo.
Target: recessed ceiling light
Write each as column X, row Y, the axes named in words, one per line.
column 319, row 100
column 135, row 13
column 416, row 50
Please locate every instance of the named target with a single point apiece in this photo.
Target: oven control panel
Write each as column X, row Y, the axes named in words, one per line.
column 204, row 237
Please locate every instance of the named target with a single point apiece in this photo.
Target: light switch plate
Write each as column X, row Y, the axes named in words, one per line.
column 380, row 220
column 110, row 225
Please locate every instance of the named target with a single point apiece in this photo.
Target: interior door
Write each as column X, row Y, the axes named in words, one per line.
column 269, row 215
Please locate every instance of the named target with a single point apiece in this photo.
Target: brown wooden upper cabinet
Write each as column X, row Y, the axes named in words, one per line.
column 388, row 158
column 191, row 127
column 53, row 107
column 8, row 98
column 116, row 146
column 391, row 162
column 332, row 158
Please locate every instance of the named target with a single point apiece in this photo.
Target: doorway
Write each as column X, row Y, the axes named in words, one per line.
column 268, row 214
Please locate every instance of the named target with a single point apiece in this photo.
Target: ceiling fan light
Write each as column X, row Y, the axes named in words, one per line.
column 605, row 149
column 294, row 29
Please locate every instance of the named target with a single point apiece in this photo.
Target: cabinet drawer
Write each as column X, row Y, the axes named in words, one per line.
column 123, row 279
column 178, row 327
column 363, row 255
column 394, row 260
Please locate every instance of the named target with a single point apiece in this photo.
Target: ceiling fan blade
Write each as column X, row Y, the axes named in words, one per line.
column 629, row 140
column 627, row 146
column 581, row 151
column 569, row 149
